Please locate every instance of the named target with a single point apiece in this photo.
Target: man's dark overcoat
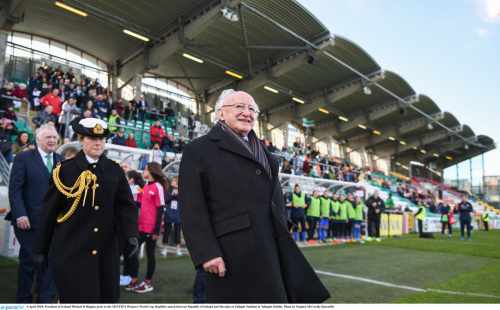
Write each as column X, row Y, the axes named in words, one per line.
column 234, row 209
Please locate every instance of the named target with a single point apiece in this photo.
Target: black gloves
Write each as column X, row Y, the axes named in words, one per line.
column 133, row 245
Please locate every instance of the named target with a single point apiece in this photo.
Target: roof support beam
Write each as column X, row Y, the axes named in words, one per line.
column 11, row 13
column 396, row 131
column 441, row 150
column 419, row 142
column 379, row 112
column 319, row 99
column 326, row 129
column 470, row 154
column 158, row 53
column 445, row 147
column 336, row 93
column 418, row 123
column 282, row 67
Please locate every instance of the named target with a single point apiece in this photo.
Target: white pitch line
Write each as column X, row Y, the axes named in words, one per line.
column 404, row 287
column 463, row 293
column 345, row 276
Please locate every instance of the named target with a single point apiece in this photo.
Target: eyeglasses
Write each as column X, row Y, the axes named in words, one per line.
column 239, row 107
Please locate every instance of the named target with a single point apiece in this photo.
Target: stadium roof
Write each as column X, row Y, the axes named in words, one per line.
column 274, row 49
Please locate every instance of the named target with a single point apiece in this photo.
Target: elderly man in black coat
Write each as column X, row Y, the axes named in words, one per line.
column 234, row 218
column 88, row 200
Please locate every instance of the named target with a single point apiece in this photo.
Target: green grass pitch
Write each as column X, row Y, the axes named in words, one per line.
column 467, row 272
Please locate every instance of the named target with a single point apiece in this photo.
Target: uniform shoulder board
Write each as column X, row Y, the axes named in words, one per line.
column 65, row 161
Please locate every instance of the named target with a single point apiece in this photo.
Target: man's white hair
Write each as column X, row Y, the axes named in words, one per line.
column 220, row 102
column 44, row 128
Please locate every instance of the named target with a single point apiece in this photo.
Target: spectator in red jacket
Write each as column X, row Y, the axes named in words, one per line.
column 157, row 133
column 130, row 142
column 53, row 100
column 20, row 91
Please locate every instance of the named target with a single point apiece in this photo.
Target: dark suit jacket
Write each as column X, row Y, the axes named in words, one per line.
column 29, row 182
column 232, row 208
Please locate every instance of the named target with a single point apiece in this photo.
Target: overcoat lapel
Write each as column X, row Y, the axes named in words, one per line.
column 226, row 143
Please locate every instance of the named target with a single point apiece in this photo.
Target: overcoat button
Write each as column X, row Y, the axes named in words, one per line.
column 258, row 172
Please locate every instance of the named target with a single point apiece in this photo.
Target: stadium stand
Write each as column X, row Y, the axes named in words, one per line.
column 298, row 72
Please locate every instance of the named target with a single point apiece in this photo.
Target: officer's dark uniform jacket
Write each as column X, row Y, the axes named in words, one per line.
column 84, row 247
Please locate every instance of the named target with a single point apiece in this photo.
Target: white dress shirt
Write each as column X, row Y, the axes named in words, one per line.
column 91, row 160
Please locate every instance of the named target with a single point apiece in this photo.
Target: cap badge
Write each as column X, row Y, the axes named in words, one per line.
column 98, row 130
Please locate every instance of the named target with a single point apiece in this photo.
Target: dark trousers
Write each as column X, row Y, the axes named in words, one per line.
column 341, row 229
column 142, row 114
column 128, row 262
column 420, row 225
column 374, row 227
column 150, row 254
column 299, row 218
column 313, row 223
column 348, row 229
column 200, row 286
column 289, row 218
column 332, row 228
column 465, row 224
column 168, row 230
column 443, row 226
column 46, row 289
column 486, row 228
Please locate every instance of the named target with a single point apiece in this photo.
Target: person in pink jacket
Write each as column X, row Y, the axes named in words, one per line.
column 152, row 205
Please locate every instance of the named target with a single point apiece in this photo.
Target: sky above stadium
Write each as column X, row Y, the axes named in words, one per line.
column 448, row 50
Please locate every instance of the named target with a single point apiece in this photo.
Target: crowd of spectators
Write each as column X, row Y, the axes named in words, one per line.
column 57, row 97
column 306, row 161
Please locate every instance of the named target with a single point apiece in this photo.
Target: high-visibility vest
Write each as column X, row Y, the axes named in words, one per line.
column 112, row 121
column 343, row 208
column 444, row 218
column 299, row 201
column 356, row 211
column 326, row 204
column 335, row 209
column 314, row 208
column 421, row 214
column 486, row 217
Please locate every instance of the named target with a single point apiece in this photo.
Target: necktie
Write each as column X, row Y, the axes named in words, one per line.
column 49, row 162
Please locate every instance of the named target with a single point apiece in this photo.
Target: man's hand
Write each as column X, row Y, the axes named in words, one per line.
column 215, row 266
column 155, row 237
column 23, row 223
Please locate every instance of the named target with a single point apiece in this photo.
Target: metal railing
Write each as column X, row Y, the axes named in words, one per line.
column 4, row 170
